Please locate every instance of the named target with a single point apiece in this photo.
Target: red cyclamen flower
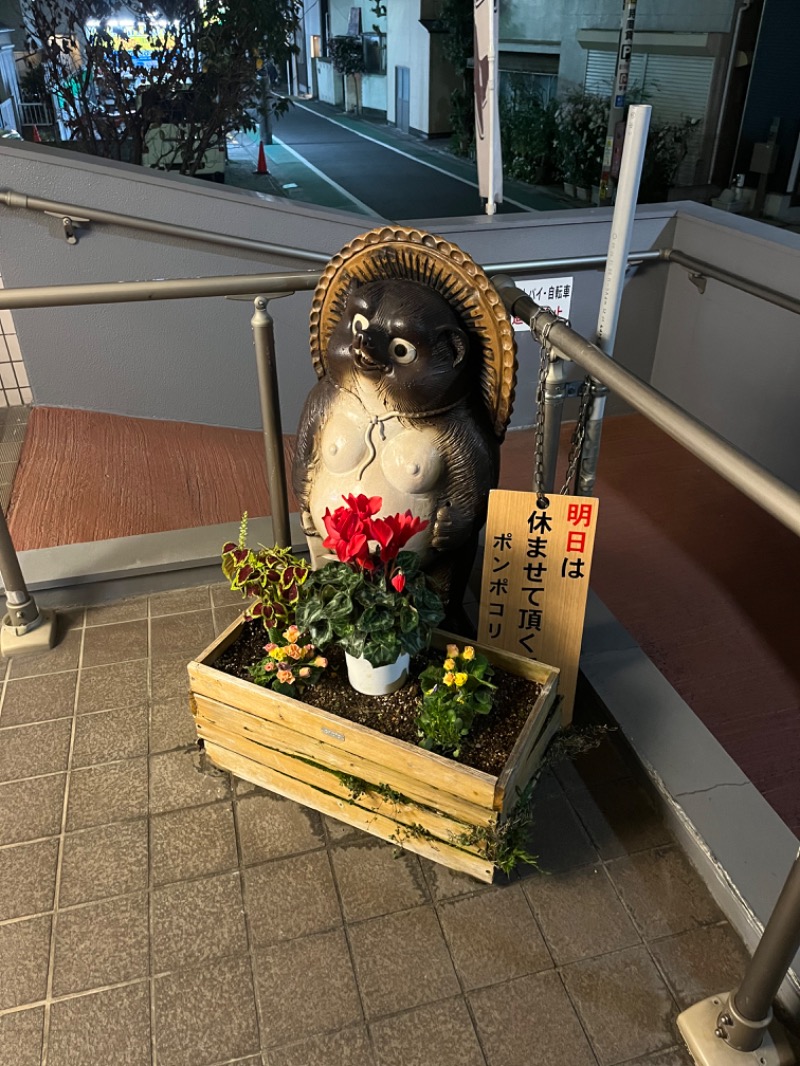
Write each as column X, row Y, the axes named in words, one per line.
column 394, row 532
column 399, row 582
column 364, row 506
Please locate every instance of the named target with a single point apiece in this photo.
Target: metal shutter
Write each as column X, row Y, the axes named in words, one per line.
column 677, row 87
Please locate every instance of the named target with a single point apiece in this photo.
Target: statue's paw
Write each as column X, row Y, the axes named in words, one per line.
column 307, row 524
column 444, row 528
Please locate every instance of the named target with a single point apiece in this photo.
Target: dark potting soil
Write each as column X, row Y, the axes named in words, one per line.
column 488, row 745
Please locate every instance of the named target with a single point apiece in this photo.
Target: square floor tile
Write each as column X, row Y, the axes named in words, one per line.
column 663, row 892
column 223, row 616
column 349, row 1047
column 580, row 914
column 184, row 779
column 306, row 987
column 107, row 736
column 440, row 1033
column 206, row 1015
column 64, row 656
column 108, row 860
column 31, row 808
column 195, row 921
column 674, row 1056
column 271, row 827
column 445, row 883
column 27, row 878
column 39, row 699
column 25, row 951
column 171, row 725
column 402, row 961
column 530, row 1013
column 180, row 636
column 701, row 962
column 620, row 818
column 623, row 1003
column 493, row 937
column 599, row 765
column 129, row 610
column 556, row 837
column 21, row 1038
column 105, row 1027
column 374, row 879
column 178, row 601
column 102, row 688
column 169, row 679
column 222, row 595
column 102, row 943
column 117, row 642
column 30, row 750
column 291, row 897
column 112, row 792
column 192, row 843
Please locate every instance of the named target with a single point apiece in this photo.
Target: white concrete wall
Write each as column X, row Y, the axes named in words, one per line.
column 373, row 91
column 329, row 83
column 408, row 45
column 732, row 359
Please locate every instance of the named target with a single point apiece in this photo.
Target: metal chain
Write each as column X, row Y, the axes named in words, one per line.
column 576, row 444
column 538, row 458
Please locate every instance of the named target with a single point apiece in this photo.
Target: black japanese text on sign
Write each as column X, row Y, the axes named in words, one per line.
column 536, row 577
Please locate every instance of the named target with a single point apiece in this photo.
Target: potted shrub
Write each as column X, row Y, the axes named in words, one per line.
column 442, row 766
column 373, row 602
column 347, row 54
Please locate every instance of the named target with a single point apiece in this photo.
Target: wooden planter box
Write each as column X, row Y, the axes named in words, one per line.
column 421, row 801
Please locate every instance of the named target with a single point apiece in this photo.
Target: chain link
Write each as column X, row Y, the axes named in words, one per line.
column 576, row 444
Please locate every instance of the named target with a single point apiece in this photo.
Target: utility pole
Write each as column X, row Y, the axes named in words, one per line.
column 616, row 115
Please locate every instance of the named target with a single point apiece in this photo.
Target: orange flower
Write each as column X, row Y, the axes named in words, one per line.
column 286, row 677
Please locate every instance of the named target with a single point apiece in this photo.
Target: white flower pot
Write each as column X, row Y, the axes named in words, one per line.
column 376, row 680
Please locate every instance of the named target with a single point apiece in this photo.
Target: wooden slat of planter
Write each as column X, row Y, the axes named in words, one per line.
column 371, row 822
column 522, row 772
column 279, row 736
column 405, row 760
column 521, row 762
column 402, row 811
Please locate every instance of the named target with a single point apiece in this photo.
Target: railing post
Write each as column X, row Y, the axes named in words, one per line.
column 24, row 628
column 726, row 1030
column 555, row 391
column 264, row 340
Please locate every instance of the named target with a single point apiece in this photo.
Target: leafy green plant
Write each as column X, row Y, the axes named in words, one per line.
column 375, row 603
column 581, row 128
column 504, row 844
column 453, row 694
column 271, row 576
column 290, row 666
column 667, row 145
column 529, row 128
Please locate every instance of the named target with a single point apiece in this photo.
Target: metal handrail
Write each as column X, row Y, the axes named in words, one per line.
column 768, row 491
column 701, row 269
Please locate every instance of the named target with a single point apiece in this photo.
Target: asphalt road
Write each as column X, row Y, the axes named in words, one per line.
column 394, row 185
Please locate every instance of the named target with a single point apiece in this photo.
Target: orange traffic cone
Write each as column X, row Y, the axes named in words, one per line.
column 262, row 160
column 36, row 136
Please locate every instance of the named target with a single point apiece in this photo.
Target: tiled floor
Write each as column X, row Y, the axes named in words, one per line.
column 154, row 911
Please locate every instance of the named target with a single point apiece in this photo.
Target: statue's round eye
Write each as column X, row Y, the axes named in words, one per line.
column 402, row 351
column 360, row 323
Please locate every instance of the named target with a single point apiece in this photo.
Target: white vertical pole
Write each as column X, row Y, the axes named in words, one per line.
column 619, row 246
column 491, row 109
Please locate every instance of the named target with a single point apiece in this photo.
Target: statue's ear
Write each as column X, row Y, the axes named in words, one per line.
column 457, row 340
column 353, row 286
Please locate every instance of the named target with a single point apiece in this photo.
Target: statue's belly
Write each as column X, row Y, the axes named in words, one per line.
column 401, row 465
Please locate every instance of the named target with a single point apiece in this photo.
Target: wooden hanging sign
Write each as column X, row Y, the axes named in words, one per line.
column 535, row 580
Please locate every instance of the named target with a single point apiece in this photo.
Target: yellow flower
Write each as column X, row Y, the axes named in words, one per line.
column 452, row 651
column 461, row 679
column 449, row 678
column 277, row 653
column 468, row 653
column 449, row 664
